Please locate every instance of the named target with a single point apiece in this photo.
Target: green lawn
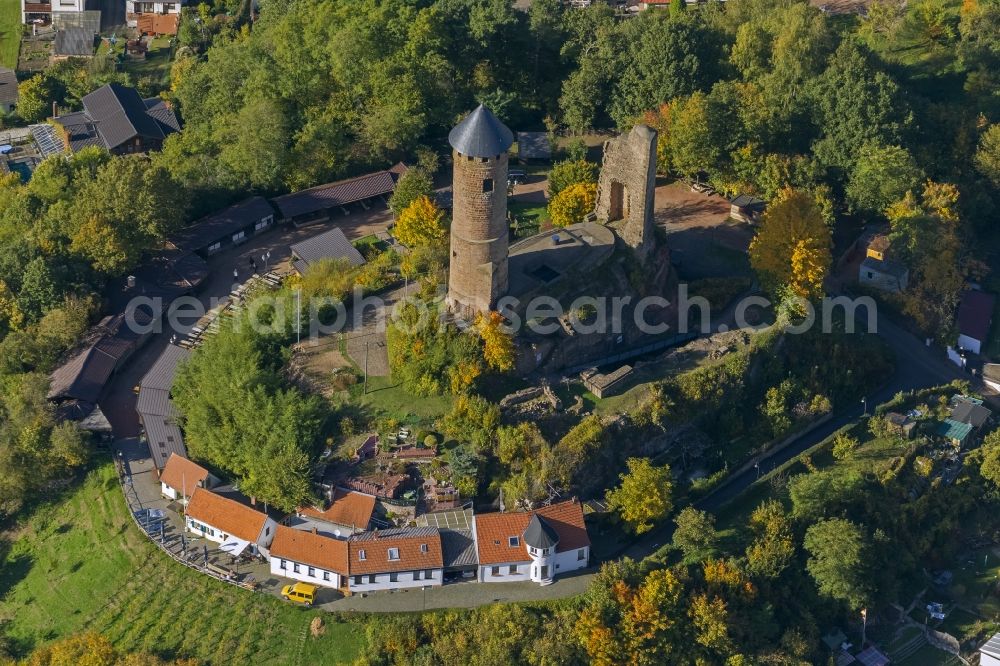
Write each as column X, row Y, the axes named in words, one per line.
column 10, row 32
column 81, row 564
column 929, row 656
column 387, row 397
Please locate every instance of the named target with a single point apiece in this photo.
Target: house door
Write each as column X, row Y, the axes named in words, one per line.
column 545, row 571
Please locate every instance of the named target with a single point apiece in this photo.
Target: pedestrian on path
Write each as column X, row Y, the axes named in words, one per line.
column 253, row 266
column 236, row 274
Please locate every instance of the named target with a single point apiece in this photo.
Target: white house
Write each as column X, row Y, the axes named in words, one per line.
column 180, row 477
column 309, row 557
column 395, row 559
column 989, row 654
column 49, row 11
column 237, row 526
column 536, row 546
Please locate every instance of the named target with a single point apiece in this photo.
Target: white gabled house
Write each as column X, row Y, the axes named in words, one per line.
column 536, row 546
column 395, row 559
column 309, row 557
column 236, row 526
column 180, row 477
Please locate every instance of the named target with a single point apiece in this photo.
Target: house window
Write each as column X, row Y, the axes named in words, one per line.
column 372, row 579
column 488, row 185
column 581, row 555
column 326, row 575
column 428, row 574
column 295, row 567
column 283, row 565
column 312, row 572
column 393, row 577
column 870, row 275
column 267, row 530
column 357, row 580
column 512, row 569
column 417, row 575
column 514, row 541
column 361, row 555
column 239, row 236
column 423, row 548
column 393, row 554
column 214, row 247
column 533, row 551
column 495, row 571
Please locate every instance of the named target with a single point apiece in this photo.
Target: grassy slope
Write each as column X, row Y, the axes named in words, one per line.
column 80, row 564
column 10, row 32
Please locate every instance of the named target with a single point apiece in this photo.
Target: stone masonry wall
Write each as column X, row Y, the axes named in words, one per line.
column 478, row 268
column 629, row 172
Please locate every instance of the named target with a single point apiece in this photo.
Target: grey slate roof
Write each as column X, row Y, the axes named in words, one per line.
column 332, row 244
column 992, row 646
column 885, row 266
column 539, row 534
column 459, row 548
column 534, row 145
column 224, row 223
column 374, row 535
column 971, row 413
column 74, row 42
column 481, row 134
column 8, row 86
column 163, row 438
column 114, row 114
column 751, row 202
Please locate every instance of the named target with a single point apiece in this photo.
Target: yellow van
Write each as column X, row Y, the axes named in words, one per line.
column 303, row 593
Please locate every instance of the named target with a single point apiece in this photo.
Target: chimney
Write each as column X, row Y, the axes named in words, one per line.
column 314, row 529
column 253, row 501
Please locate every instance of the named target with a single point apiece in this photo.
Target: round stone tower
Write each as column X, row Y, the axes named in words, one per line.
column 477, row 275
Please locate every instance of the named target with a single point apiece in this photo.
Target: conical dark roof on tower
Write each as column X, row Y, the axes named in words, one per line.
column 481, row 134
column 539, row 534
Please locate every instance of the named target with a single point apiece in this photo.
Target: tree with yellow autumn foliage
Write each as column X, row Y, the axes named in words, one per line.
column 792, row 248
column 420, row 223
column 573, row 204
column 498, row 345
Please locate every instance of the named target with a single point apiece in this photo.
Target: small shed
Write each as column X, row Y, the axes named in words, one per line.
column 901, row 424
column 955, row 432
column 746, row 208
column 883, row 274
column 534, row 146
column 8, row 90
column 332, row 244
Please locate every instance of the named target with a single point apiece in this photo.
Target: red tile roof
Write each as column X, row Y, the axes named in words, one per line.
column 312, row 549
column 974, row 314
column 227, row 515
column 348, row 508
column 411, row 544
column 183, row 475
column 493, row 532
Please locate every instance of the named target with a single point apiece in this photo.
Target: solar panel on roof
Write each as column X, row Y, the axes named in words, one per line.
column 48, row 142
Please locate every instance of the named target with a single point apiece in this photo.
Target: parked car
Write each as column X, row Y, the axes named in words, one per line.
column 516, row 177
column 302, row 593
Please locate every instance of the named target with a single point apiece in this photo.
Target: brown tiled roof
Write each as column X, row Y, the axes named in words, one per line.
column 224, row 514
column 340, row 193
column 181, row 474
column 409, row 542
column 309, row 548
column 347, row 508
column 493, row 532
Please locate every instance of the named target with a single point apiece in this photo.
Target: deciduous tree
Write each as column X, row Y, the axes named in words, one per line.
column 573, row 204
column 644, row 497
column 421, row 223
column 839, row 560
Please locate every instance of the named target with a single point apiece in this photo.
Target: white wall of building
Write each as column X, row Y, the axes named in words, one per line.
column 965, row 342
column 168, row 492
column 570, row 560
column 404, row 579
column 68, row 5
column 504, row 575
column 306, row 573
column 212, row 533
column 988, row 660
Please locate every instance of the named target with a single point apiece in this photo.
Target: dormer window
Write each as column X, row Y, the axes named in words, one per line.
column 423, row 548
column 361, row 555
column 393, row 554
column 513, row 541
